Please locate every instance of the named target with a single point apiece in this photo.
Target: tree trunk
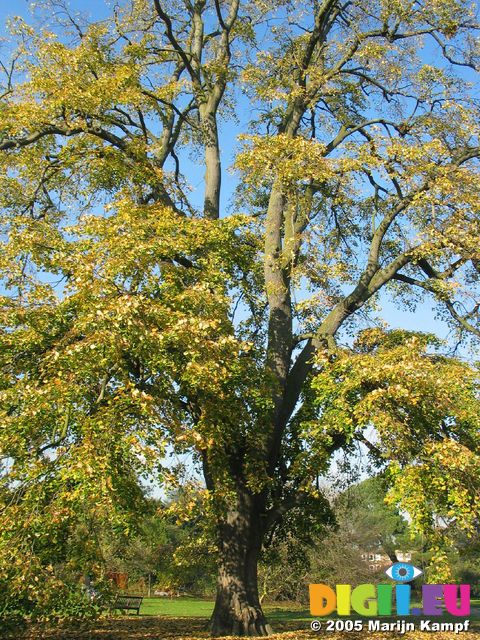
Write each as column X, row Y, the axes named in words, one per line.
column 237, row 609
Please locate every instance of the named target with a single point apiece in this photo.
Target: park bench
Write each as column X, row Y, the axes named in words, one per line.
column 128, row 603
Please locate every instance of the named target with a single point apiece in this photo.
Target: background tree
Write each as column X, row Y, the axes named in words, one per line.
column 172, row 551
column 135, row 315
column 363, row 524
column 372, row 524
column 466, row 561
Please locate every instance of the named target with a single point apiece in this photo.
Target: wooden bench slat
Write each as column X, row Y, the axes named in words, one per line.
column 132, row 603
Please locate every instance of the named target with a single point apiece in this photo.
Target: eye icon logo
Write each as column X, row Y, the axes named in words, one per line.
column 403, row 572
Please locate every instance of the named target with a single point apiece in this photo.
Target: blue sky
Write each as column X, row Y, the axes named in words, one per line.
column 422, row 319
column 21, row 7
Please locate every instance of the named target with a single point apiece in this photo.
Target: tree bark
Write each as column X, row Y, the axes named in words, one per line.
column 213, row 166
column 238, row 611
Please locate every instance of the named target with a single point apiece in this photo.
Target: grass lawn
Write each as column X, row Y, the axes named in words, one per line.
column 195, row 608
column 178, row 607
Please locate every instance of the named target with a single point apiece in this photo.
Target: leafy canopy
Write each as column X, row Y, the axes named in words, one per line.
column 136, row 315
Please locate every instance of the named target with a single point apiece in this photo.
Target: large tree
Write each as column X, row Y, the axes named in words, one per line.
column 137, row 314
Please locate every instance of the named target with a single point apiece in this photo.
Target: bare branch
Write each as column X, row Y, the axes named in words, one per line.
column 167, row 21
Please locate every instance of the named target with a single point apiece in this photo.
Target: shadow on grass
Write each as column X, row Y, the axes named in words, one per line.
column 289, row 622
